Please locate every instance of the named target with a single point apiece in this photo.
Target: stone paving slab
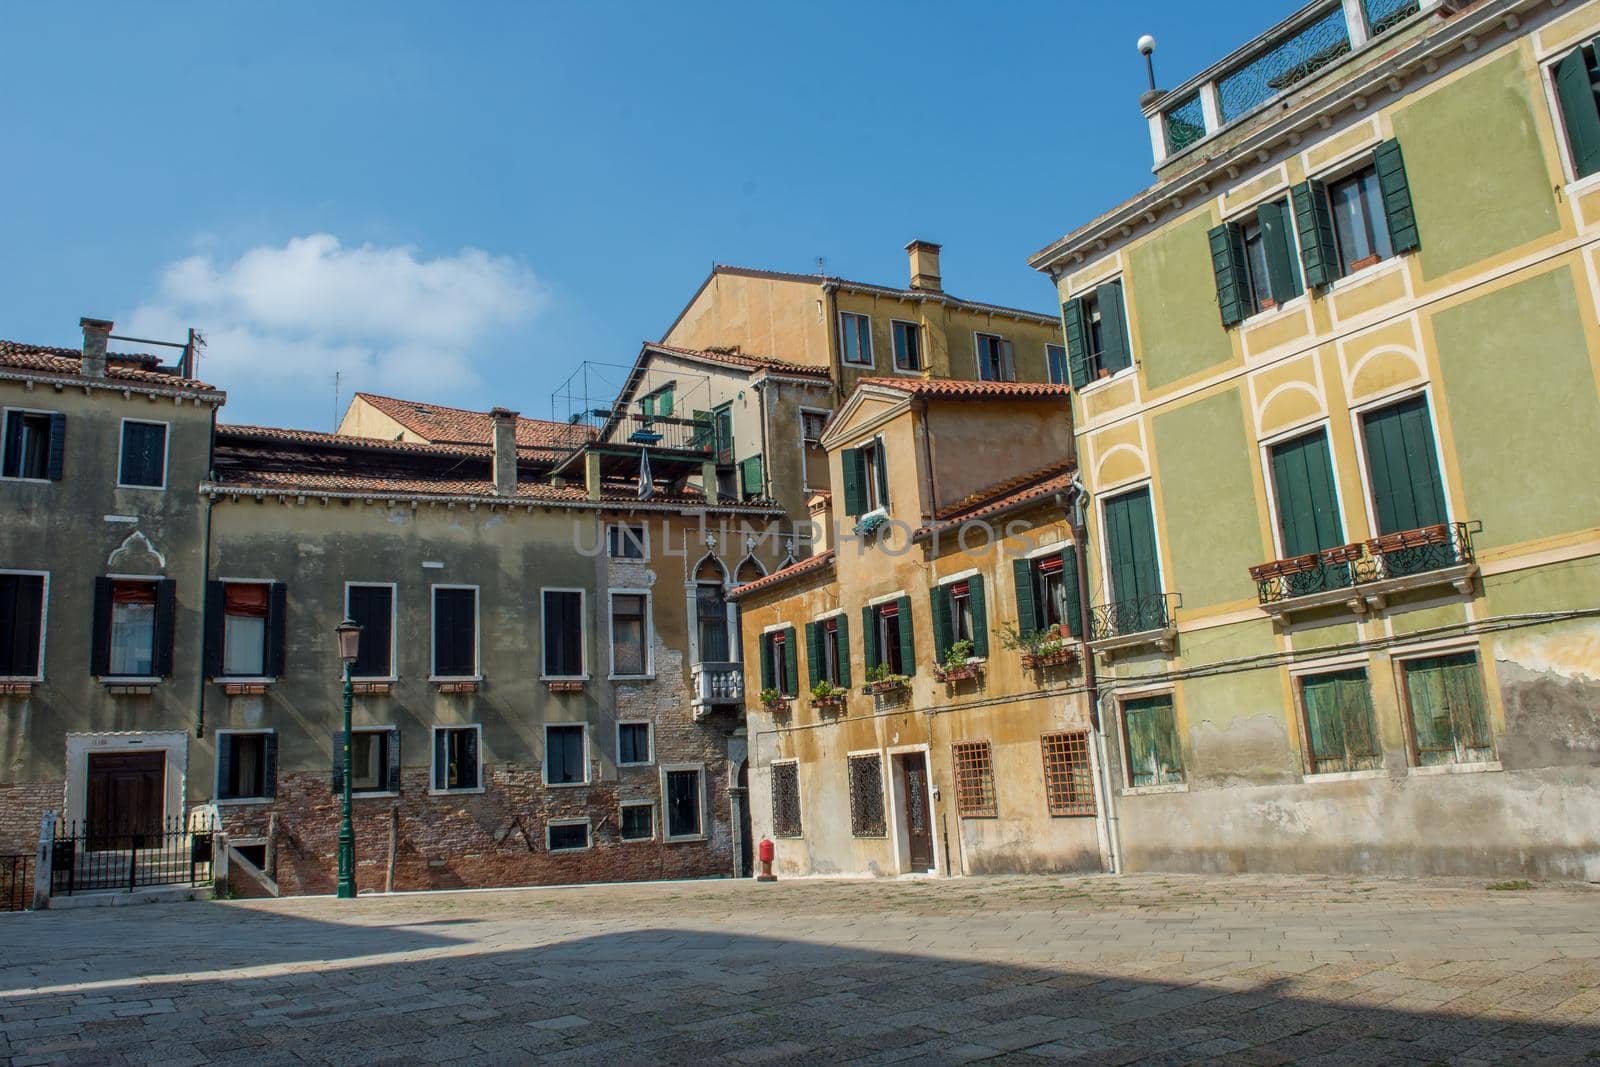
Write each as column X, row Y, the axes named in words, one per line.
column 1247, row 970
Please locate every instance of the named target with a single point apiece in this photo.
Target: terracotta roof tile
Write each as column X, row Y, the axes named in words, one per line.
column 242, row 432
column 810, row 565
column 445, row 425
column 956, row 389
column 735, row 358
column 1004, row 496
column 120, row 366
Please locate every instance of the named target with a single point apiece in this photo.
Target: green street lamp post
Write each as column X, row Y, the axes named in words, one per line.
column 349, row 634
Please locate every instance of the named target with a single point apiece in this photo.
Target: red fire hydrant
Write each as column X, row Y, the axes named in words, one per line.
column 764, row 852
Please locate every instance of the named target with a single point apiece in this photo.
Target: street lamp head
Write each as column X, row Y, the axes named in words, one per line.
column 349, row 634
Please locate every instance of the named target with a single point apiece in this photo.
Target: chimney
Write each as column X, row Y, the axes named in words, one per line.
column 95, row 332
column 924, row 266
column 504, row 439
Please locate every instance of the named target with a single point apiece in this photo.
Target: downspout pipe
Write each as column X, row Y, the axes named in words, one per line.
column 205, row 578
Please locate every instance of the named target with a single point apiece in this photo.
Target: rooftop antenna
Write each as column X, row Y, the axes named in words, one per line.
column 822, row 265
column 1147, row 48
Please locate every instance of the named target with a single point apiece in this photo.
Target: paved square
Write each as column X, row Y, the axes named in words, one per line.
column 1099, row 970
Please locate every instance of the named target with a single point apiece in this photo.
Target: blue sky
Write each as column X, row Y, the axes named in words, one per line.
column 463, row 202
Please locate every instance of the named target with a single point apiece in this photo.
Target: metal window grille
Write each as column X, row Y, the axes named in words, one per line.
column 974, row 778
column 786, row 800
column 866, row 797
column 16, row 881
column 1068, row 784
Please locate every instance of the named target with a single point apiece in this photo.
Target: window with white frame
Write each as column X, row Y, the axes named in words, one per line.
column 22, row 619
column 247, row 764
column 246, row 607
column 855, row 339
column 374, row 760
column 866, row 478
column 907, row 337
column 563, row 633
column 683, row 789
column 133, row 627
column 625, row 540
column 994, row 358
column 633, row 744
column 1055, row 359
column 455, row 631
column 456, row 764
column 567, row 835
column 630, row 634
column 812, row 423
column 31, row 445
column 372, row 607
column 566, row 759
column 637, row 821
column 143, row 463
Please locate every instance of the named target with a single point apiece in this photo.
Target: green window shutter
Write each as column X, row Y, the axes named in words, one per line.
column 908, row 646
column 1131, row 540
column 703, row 430
column 1069, row 582
column 791, row 663
column 940, row 596
column 1114, row 354
column 855, row 494
column 1579, row 114
column 1227, row 264
column 1339, row 721
column 1282, row 276
column 1449, row 718
column 1314, row 220
column 1308, row 509
column 1022, row 579
column 766, row 661
column 664, row 401
column 869, row 637
column 750, row 476
column 1154, row 756
column 1406, row 490
column 1077, row 342
column 813, row 652
column 1396, row 192
column 980, row 616
column 842, row 639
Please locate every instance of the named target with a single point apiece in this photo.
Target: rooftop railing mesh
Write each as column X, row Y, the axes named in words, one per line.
column 1186, row 123
column 1285, row 63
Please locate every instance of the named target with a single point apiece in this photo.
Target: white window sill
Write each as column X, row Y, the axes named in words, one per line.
column 245, row 679
column 452, row 792
column 20, row 679
column 151, row 488
column 857, row 366
column 1364, row 273
column 386, row 679
column 645, row 763
column 564, row 678
column 131, row 679
column 1579, row 186
column 452, row 678
column 565, row 851
column 1454, row 768
column 630, row 677
column 1344, row 776
column 1283, row 310
column 917, row 373
column 567, row 785
column 1098, row 382
column 639, row 840
column 27, row 481
column 1154, row 790
column 378, row 794
column 685, row 839
column 223, row 801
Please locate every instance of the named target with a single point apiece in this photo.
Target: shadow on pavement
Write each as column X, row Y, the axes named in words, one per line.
column 675, row 995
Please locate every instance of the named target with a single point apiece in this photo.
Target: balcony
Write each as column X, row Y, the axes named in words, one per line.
column 716, row 685
column 1290, row 54
column 1361, row 576
column 1137, row 623
column 676, row 444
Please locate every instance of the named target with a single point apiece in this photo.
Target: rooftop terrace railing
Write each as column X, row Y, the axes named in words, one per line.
column 1311, row 39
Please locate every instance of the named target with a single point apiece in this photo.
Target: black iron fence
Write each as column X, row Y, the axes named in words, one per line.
column 1396, row 555
column 16, row 881
column 1133, row 616
column 88, row 858
column 673, row 433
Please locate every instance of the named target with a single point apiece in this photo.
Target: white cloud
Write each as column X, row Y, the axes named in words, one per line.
column 279, row 321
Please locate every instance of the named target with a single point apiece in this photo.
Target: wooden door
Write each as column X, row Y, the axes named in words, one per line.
column 126, row 794
column 916, row 814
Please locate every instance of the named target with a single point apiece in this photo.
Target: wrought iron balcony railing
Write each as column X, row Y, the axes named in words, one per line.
column 672, row 433
column 1125, row 618
column 1356, row 567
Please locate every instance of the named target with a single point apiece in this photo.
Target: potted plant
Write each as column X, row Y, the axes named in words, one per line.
column 1051, row 646
column 880, row 679
column 827, row 695
column 956, row 667
column 774, row 702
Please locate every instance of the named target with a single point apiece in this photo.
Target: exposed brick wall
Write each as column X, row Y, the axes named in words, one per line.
column 21, row 808
column 471, row 840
